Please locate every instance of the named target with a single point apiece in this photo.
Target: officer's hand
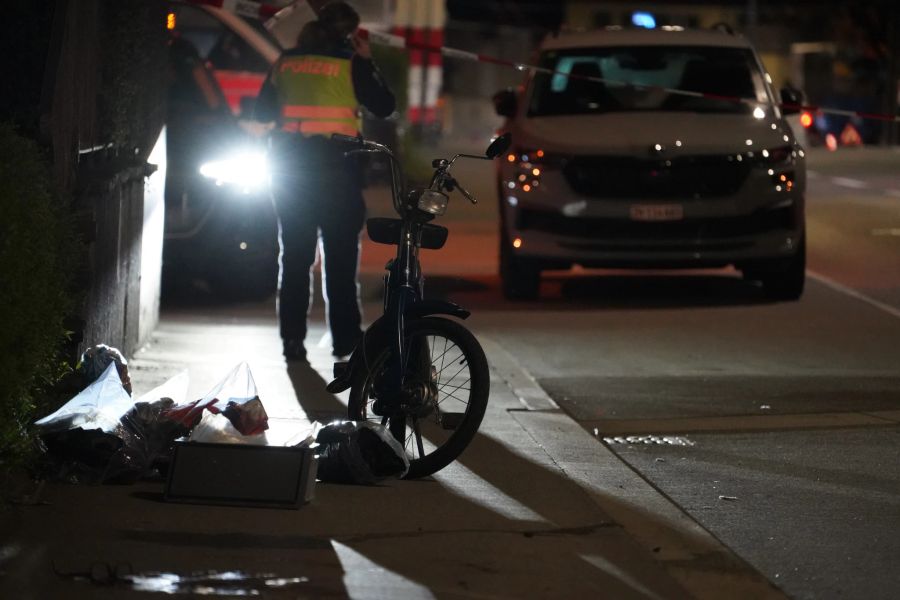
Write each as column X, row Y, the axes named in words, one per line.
column 360, row 46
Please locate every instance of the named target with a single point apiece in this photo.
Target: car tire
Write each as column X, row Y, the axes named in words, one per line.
column 787, row 282
column 520, row 278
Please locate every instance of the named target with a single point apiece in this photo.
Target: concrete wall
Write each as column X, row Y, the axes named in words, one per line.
column 121, row 304
column 152, row 242
column 103, row 108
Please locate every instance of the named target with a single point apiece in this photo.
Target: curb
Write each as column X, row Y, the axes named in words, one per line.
column 687, row 551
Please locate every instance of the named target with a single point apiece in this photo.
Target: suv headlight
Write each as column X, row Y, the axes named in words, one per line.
column 777, row 156
column 779, row 164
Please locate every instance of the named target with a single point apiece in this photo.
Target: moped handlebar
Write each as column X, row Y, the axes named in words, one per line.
column 441, row 178
column 451, row 183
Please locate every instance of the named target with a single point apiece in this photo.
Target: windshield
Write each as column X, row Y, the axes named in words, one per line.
column 729, row 72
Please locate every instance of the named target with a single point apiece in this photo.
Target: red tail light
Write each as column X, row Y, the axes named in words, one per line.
column 806, row 119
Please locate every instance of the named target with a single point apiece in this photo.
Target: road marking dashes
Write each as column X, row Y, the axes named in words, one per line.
column 853, row 293
column 887, row 231
column 856, row 184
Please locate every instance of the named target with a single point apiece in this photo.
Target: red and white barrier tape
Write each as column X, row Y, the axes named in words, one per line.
column 251, row 8
column 401, row 42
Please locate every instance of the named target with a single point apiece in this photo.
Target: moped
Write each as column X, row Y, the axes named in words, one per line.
column 415, row 371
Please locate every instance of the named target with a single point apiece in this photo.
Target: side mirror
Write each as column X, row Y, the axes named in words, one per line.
column 791, row 100
column 505, row 103
column 499, row 145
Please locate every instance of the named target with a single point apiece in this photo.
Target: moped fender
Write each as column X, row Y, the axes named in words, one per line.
column 377, row 336
column 425, row 308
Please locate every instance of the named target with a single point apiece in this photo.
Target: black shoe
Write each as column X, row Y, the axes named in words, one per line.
column 294, row 351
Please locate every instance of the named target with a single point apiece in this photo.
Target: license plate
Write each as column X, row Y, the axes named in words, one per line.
column 657, row 212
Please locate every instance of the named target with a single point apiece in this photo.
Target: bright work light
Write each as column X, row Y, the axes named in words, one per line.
column 247, row 170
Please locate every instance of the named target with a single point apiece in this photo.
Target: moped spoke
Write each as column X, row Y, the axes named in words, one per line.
column 443, row 387
column 454, row 396
column 452, row 377
column 442, row 357
column 463, row 364
column 418, row 433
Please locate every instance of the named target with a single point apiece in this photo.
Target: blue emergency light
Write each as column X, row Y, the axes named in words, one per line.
column 643, row 19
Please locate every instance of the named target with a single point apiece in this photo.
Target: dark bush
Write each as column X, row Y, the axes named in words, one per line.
column 37, row 254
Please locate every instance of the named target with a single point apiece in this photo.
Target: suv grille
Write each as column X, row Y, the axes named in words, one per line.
column 625, row 230
column 683, row 177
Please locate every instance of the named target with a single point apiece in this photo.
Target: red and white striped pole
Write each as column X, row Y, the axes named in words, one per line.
column 412, row 13
column 434, row 73
column 417, row 15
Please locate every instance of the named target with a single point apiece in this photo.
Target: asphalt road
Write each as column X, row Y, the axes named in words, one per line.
column 773, row 425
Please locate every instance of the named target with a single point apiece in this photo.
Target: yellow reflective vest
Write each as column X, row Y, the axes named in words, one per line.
column 316, row 95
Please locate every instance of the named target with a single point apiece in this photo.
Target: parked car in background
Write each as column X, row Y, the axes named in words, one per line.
column 221, row 229
column 237, row 50
column 613, row 169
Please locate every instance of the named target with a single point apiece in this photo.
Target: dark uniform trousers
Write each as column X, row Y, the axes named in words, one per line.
column 317, row 193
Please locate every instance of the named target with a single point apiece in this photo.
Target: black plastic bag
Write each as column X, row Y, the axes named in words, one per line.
column 79, row 455
column 148, row 439
column 102, row 435
column 359, row 452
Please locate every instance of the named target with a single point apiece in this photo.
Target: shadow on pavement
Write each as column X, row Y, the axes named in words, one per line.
column 537, row 519
column 318, row 404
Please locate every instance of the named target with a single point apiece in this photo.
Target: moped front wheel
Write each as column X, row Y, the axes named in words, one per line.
column 447, row 383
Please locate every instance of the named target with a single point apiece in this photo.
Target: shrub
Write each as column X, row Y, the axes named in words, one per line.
column 37, row 250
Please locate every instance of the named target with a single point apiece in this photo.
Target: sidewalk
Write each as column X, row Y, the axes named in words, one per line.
column 536, row 508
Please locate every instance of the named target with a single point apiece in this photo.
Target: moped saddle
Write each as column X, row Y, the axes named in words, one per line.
column 385, row 230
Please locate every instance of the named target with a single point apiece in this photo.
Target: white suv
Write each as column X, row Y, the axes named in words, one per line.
column 613, row 166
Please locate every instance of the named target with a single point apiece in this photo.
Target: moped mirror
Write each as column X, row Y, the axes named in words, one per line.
column 499, row 145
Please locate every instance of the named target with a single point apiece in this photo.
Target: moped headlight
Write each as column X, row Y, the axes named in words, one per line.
column 432, row 202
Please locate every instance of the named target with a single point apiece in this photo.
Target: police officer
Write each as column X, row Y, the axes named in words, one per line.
column 311, row 92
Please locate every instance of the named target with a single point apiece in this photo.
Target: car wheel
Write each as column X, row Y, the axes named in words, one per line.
column 786, row 282
column 520, row 278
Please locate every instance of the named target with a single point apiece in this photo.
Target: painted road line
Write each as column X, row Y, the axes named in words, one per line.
column 683, row 546
column 739, row 423
column 856, row 184
column 690, row 554
column 887, row 232
column 892, row 193
column 839, row 287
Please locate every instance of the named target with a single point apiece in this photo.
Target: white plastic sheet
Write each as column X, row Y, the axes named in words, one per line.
column 234, row 396
column 98, row 406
